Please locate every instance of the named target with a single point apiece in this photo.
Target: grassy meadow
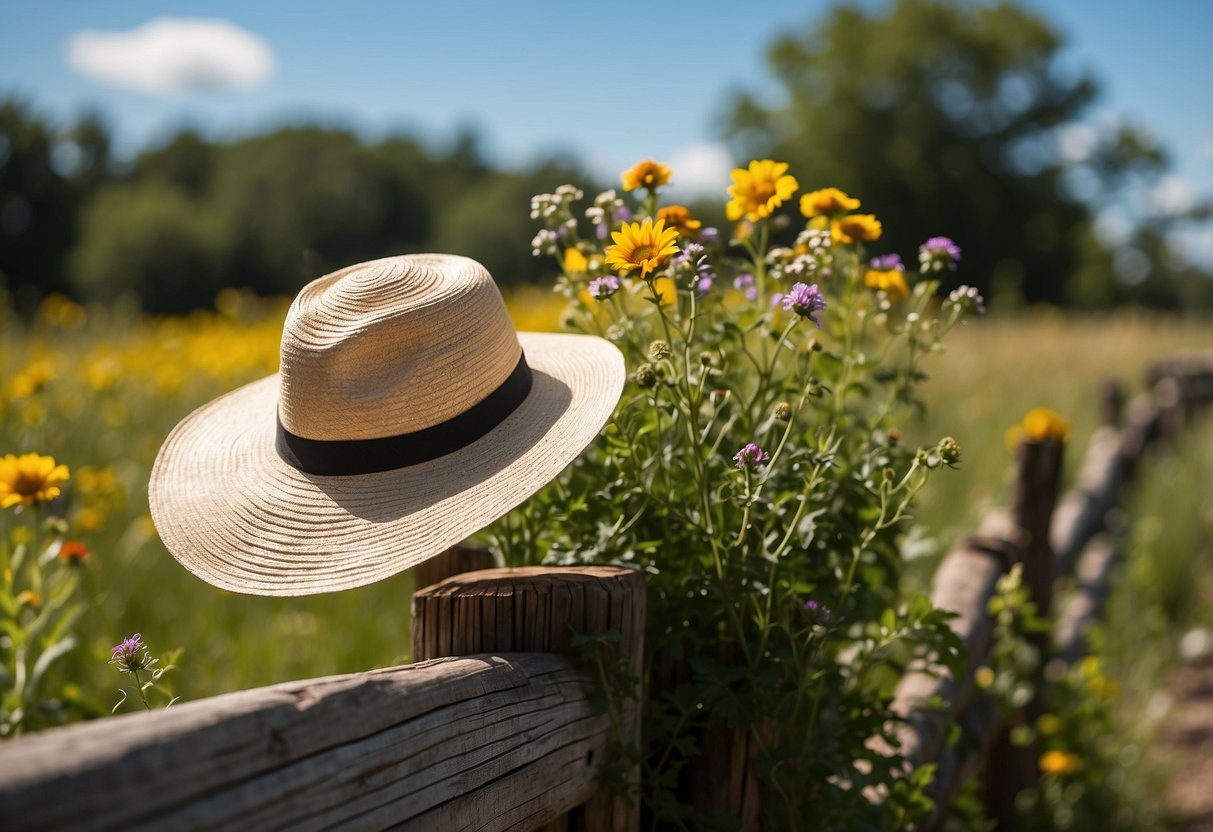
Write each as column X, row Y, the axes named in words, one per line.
column 100, row 389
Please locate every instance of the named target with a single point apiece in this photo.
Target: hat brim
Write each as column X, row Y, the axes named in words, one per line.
column 233, row 513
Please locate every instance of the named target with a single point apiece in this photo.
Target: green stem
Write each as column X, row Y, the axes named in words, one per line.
column 139, row 687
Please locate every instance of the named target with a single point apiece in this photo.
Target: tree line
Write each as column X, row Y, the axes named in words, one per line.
column 944, row 117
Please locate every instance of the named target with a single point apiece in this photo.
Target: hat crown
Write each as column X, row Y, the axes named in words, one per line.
column 393, row 346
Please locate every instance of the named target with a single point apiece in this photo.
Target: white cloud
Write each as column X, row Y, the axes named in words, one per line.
column 700, row 170
column 168, row 56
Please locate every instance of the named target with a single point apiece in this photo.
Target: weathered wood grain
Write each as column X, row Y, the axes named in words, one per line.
column 482, row 742
column 542, row 609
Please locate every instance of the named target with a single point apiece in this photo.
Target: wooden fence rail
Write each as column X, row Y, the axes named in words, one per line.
column 494, row 741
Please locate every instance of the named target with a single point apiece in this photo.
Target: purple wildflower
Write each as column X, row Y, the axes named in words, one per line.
column 692, row 256
column 750, row 457
column 937, row 254
column 745, row 282
column 601, row 230
column 805, row 301
column 602, row 288
column 887, row 263
column 131, row 655
column 820, row 612
column 709, row 235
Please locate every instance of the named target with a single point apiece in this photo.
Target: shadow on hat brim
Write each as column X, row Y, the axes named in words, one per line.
column 233, row 513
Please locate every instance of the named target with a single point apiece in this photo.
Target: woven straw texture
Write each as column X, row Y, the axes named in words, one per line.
column 382, row 348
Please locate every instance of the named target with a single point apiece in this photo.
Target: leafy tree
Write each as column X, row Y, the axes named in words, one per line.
column 187, row 161
column 36, row 215
column 945, row 115
column 151, row 241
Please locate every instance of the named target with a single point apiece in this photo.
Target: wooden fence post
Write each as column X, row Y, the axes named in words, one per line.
column 1012, row 768
column 1036, row 485
column 539, row 609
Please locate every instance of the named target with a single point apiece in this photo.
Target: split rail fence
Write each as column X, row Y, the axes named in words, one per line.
column 496, row 727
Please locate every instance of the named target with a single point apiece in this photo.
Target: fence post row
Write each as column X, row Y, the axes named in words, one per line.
column 1053, row 539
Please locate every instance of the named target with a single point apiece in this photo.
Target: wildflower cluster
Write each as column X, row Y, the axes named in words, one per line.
column 40, row 572
column 1065, row 718
column 751, row 470
column 86, row 397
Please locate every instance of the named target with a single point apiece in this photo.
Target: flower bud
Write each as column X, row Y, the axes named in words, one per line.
column 646, row 375
column 707, row 359
column 783, row 412
column 659, row 350
column 949, row 451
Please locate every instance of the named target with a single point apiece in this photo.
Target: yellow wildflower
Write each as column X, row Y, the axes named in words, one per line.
column 32, row 379
column 826, row 201
column 29, row 479
column 759, row 189
column 646, row 174
column 30, row 598
column 574, row 261
column 1041, row 423
column 678, row 217
column 60, row 311
column 641, row 246
column 984, row 677
column 890, row 281
column 855, row 227
column 1058, row 762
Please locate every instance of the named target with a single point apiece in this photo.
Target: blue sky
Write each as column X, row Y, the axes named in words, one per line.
column 541, row 76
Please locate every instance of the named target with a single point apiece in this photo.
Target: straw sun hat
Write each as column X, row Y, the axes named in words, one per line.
column 407, row 414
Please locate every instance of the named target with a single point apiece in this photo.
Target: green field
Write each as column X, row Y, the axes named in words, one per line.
column 99, row 390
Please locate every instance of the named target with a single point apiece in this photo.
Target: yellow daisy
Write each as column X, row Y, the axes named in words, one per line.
column 646, row 174
column 1038, row 425
column 827, row 201
column 678, row 217
column 29, row 479
column 854, row 227
column 1058, row 762
column 643, row 246
column 575, row 262
column 759, row 189
column 1041, row 423
column 891, row 281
